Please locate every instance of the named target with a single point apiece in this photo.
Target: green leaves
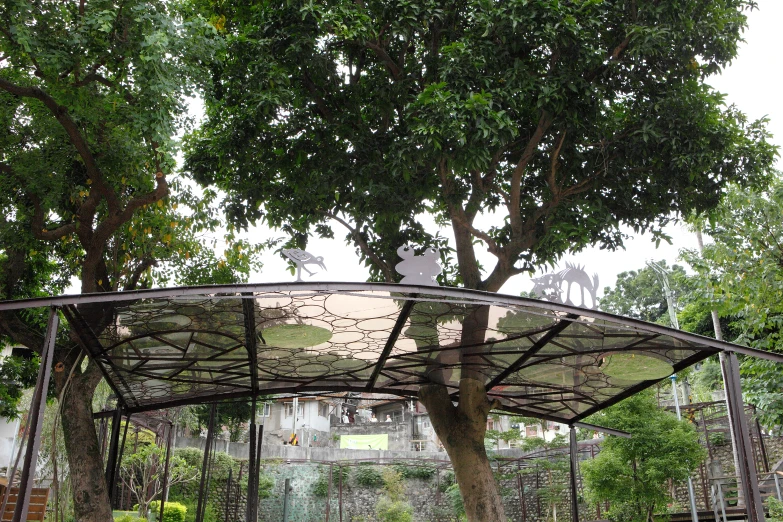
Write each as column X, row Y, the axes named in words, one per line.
column 633, row 474
column 566, row 119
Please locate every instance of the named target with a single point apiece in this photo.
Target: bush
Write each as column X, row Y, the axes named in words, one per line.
column 172, row 511
column 321, row 485
column 423, row 471
column 448, row 479
column 775, row 510
column 125, row 518
column 718, row 439
column 455, row 500
column 393, row 511
column 367, row 476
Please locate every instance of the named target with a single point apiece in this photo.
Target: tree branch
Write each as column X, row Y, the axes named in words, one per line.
column 74, row 135
column 319, row 101
column 544, row 122
column 137, row 272
column 387, row 271
column 394, row 69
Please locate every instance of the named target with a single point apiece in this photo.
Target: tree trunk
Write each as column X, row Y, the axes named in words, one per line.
column 461, row 429
column 88, row 483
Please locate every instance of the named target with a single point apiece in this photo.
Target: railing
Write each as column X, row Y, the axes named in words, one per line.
column 724, row 492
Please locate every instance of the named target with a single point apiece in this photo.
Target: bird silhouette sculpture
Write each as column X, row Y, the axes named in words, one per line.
column 302, row 258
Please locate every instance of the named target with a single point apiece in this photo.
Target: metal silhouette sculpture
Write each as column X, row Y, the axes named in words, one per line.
column 418, row 270
column 302, row 258
column 556, row 288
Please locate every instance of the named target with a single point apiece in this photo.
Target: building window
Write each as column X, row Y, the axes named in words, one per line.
column 267, row 410
column 531, row 431
column 323, row 409
column 289, row 409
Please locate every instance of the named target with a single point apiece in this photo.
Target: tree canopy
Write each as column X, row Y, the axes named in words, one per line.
column 633, row 474
column 566, row 119
column 92, row 96
column 559, row 122
column 639, row 293
column 740, row 274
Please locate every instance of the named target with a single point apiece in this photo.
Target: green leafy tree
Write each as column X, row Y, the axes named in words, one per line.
column 639, row 293
column 234, row 415
column 16, row 374
column 564, row 119
column 91, row 99
column 633, row 474
column 142, row 472
column 741, row 276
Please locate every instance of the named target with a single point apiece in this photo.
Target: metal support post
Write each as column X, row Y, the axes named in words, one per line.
column 114, row 450
column 202, row 504
column 259, row 439
column 747, row 466
column 340, row 492
column 286, row 492
column 691, row 494
column 574, row 454
column 329, row 493
column 36, row 420
column 228, row 494
column 165, row 493
column 250, row 510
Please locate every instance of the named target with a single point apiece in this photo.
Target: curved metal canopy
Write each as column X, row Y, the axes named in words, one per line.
column 179, row 346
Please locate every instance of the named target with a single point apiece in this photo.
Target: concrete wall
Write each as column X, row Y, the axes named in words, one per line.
column 239, row 450
column 7, row 431
column 399, row 433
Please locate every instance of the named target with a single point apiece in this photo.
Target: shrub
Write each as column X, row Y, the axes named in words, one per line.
column 321, row 485
column 368, row 477
column 455, row 500
column 718, row 439
column 393, row 510
column 448, row 479
column 172, row 511
column 423, row 471
column 125, row 518
column 775, row 510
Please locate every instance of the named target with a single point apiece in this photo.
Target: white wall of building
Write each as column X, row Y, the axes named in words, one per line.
column 8, row 429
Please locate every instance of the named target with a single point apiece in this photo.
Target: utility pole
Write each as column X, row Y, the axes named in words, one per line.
column 691, row 494
column 663, row 277
column 719, row 336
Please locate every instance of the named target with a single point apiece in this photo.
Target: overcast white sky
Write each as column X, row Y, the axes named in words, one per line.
column 752, row 83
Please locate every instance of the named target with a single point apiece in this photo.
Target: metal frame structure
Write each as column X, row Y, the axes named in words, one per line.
column 177, row 346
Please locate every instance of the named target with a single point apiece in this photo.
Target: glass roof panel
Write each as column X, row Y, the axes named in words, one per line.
column 198, row 345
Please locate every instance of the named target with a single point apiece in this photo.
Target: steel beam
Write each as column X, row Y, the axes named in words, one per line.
column 114, row 449
column 574, row 464
column 747, row 464
column 202, row 501
column 165, row 493
column 251, row 340
column 558, row 327
column 601, row 429
column 37, row 408
column 407, row 308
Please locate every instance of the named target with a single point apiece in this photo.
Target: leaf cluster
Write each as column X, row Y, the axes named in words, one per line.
column 633, row 474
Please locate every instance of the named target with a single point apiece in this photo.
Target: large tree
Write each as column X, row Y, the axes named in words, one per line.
column 634, row 474
column 562, row 119
column 741, row 277
column 91, row 99
column 640, row 294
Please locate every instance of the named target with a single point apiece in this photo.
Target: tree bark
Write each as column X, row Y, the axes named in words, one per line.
column 461, row 429
column 88, row 482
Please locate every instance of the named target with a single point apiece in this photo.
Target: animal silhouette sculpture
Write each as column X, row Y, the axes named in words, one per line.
column 302, row 258
column 556, row 287
column 418, row 270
